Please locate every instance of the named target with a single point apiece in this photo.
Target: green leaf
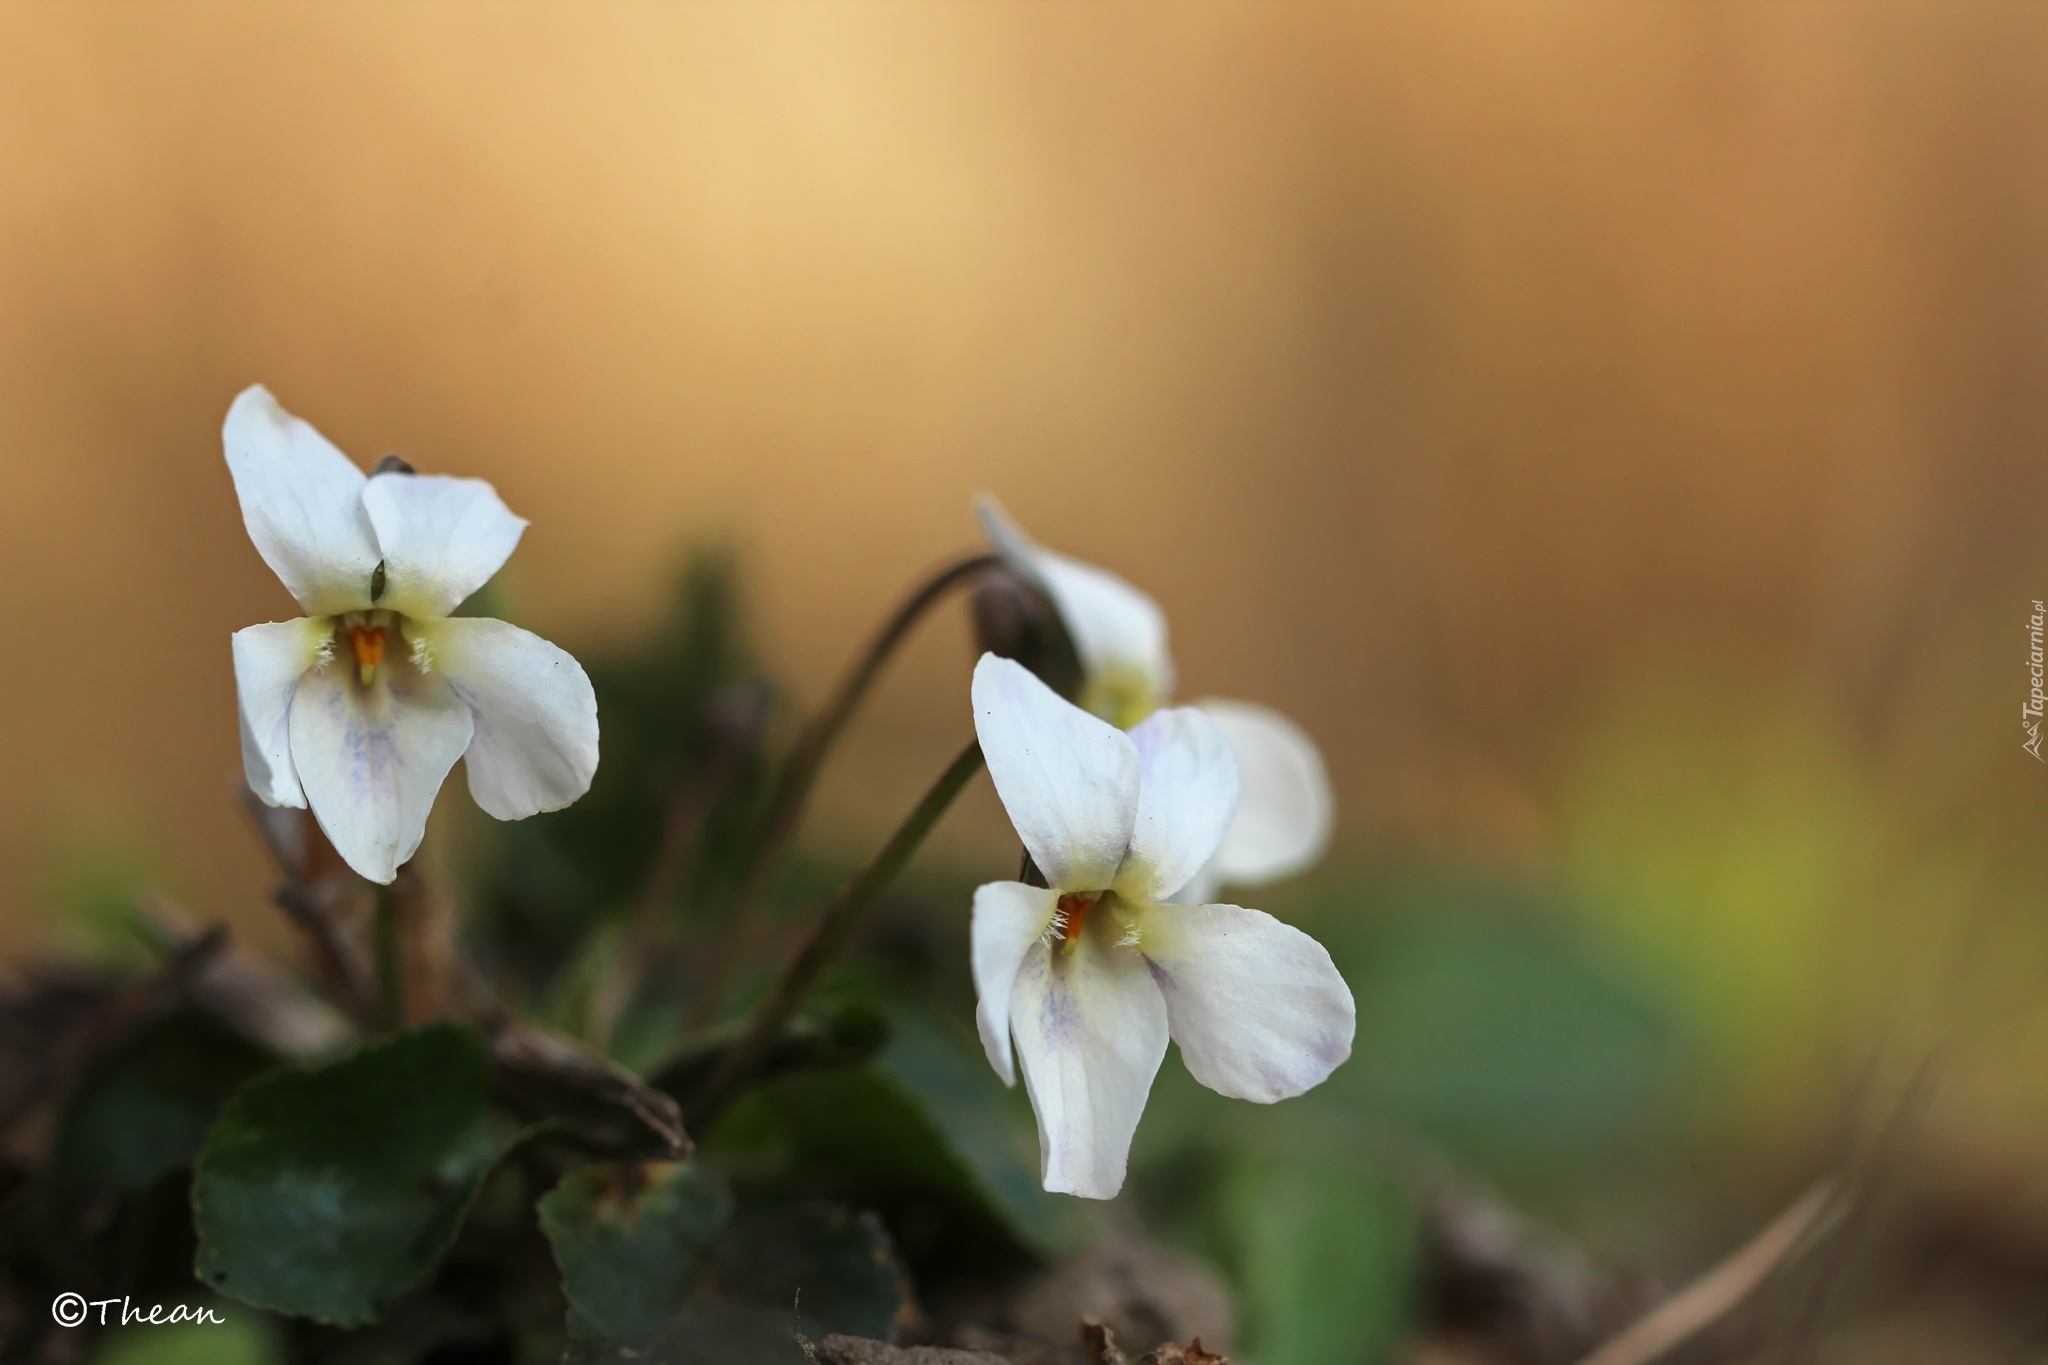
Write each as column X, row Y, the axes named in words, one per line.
column 325, row 1193
column 1328, row 1252
column 1486, row 1024
column 654, row 1265
column 986, row 1128
column 835, row 1269
column 631, row 1246
column 926, row 1118
column 146, row 1110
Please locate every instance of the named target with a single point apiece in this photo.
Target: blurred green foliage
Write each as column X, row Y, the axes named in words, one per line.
column 239, row 1338
column 543, row 883
column 1728, row 845
column 1327, row 1250
column 1489, row 1028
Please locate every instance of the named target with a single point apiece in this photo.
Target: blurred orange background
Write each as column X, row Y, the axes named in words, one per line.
column 1568, row 412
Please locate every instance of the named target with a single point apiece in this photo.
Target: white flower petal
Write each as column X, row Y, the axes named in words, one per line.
column 535, row 746
column 1068, row 780
column 1257, row 1006
column 373, row 758
column 1202, row 887
column 1010, row 919
column 1284, row 806
column 269, row 661
column 442, row 539
column 302, row 501
column 1118, row 631
column 1091, row 1031
column 1187, row 793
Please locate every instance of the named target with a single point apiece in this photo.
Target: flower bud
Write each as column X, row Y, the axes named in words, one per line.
column 1014, row 620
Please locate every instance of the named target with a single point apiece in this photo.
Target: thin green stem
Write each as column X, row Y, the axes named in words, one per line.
column 390, row 959
column 799, row 771
column 830, row 939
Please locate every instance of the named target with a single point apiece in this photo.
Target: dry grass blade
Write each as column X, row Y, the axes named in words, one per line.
column 1713, row 1294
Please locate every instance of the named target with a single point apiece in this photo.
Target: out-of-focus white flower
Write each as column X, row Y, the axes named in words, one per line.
column 1091, row 973
column 1285, row 809
column 359, row 708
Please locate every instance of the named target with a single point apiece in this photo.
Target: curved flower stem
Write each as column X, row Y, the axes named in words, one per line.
column 829, row 940
column 390, row 937
column 799, row 772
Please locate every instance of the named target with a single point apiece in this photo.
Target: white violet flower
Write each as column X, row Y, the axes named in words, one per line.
column 359, row 708
column 1091, row 973
column 1285, row 809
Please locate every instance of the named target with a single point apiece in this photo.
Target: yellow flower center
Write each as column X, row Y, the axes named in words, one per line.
column 1121, row 696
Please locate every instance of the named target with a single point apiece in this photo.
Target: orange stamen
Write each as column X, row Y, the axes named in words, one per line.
column 368, row 644
column 1073, row 910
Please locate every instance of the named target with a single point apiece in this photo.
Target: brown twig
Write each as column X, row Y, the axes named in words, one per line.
column 248, row 993
column 734, row 727
column 311, row 894
column 439, row 981
column 68, row 1056
column 543, row 1075
column 1714, row 1294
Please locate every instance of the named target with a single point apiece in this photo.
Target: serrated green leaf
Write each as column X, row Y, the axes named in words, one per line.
column 631, row 1246
column 325, row 1193
column 835, row 1269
